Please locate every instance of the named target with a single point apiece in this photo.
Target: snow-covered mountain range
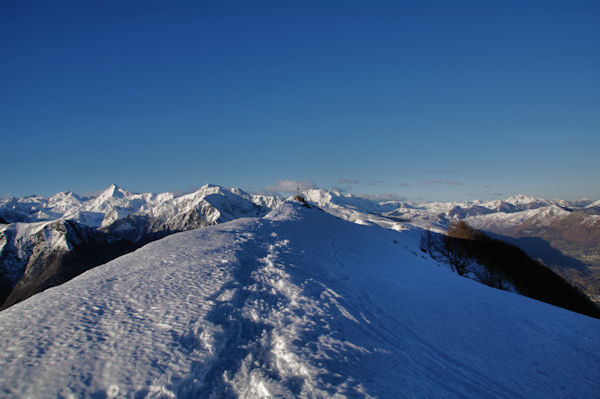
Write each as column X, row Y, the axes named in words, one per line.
column 65, row 234
column 564, row 235
column 45, row 236
column 294, row 303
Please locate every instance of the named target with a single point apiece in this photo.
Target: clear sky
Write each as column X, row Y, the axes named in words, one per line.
column 434, row 100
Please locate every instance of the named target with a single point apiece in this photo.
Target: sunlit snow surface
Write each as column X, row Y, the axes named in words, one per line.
column 294, row 304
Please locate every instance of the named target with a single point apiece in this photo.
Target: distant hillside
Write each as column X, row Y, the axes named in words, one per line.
column 566, row 240
column 506, row 265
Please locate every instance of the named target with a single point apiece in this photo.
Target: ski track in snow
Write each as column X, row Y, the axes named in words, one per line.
column 295, row 304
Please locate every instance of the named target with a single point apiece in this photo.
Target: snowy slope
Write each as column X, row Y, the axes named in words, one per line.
column 37, row 208
column 535, row 217
column 436, row 215
column 99, row 210
column 19, row 241
column 116, row 203
column 114, row 213
column 564, row 235
column 294, row 304
column 210, row 204
column 140, row 218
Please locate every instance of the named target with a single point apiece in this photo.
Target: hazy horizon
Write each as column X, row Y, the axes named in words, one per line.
column 288, row 188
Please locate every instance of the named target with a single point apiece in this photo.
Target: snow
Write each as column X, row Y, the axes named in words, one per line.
column 543, row 216
column 521, row 199
column 594, row 204
column 36, row 221
column 434, row 215
column 115, row 204
column 297, row 303
column 115, row 211
column 28, row 234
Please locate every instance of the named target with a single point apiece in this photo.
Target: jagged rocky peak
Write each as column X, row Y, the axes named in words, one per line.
column 520, row 199
column 65, row 196
column 62, row 202
column 216, row 189
column 208, row 191
column 268, row 201
column 113, row 191
column 111, row 197
column 319, row 196
column 240, row 192
column 554, row 210
column 524, row 201
column 203, row 191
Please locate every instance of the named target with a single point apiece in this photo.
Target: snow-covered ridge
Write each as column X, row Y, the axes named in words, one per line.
column 437, row 215
column 139, row 218
column 111, row 204
column 116, row 203
column 38, row 230
column 294, row 304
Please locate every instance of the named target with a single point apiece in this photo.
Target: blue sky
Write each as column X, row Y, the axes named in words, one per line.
column 425, row 99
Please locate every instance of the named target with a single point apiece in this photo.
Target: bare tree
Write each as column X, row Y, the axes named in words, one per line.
column 453, row 253
column 427, row 243
column 449, row 250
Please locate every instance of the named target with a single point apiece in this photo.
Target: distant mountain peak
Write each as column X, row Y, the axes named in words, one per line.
column 113, row 191
column 522, row 199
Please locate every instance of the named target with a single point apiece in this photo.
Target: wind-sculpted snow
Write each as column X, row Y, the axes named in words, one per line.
column 294, row 304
